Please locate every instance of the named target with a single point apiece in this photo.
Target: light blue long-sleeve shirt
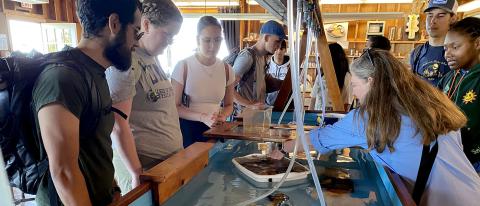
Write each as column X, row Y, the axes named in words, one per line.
column 451, row 168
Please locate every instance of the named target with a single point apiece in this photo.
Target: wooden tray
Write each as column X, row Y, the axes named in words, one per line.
column 234, row 130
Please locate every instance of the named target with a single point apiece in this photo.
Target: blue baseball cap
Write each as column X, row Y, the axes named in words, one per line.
column 447, row 5
column 273, row 27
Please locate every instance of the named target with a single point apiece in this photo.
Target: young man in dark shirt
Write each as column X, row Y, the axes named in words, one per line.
column 427, row 60
column 74, row 123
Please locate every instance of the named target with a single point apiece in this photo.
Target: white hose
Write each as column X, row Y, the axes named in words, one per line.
column 304, row 73
column 292, row 161
column 285, row 110
column 299, row 109
column 322, row 88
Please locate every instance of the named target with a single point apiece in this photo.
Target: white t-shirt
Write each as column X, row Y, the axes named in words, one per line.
column 206, row 85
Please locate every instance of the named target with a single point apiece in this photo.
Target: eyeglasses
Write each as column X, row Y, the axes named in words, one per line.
column 139, row 35
column 212, row 40
column 367, row 51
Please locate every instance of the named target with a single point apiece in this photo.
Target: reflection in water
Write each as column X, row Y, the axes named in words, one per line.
column 263, row 165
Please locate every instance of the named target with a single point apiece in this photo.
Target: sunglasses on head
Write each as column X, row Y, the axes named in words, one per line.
column 369, row 55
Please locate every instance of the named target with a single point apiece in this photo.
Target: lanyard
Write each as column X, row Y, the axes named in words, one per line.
column 450, row 92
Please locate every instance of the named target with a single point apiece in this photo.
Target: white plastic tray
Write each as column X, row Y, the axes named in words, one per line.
column 293, row 176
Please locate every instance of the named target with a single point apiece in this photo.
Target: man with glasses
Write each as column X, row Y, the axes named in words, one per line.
column 73, row 107
column 427, row 60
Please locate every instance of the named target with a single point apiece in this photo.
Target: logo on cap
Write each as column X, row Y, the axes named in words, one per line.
column 440, row 1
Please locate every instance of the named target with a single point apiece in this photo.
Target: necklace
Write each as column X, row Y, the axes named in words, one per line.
column 450, row 92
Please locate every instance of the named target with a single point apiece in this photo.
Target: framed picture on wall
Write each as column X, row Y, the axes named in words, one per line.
column 375, row 28
column 337, row 32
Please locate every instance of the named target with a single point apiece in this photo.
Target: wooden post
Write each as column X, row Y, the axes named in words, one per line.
column 45, row 11
column 69, row 10
column 327, row 66
column 58, row 10
column 243, row 5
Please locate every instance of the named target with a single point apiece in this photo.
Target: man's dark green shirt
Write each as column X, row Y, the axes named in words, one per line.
column 61, row 84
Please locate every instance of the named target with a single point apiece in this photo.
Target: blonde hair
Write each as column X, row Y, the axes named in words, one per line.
column 396, row 91
column 161, row 12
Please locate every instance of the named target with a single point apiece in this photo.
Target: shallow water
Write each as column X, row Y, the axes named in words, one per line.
column 350, row 175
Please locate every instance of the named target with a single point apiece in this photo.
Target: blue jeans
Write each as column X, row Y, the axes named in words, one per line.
column 476, row 166
column 192, row 131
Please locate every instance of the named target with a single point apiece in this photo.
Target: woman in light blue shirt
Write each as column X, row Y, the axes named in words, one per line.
column 399, row 113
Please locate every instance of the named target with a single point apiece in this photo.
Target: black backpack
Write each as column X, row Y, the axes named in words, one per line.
column 22, row 148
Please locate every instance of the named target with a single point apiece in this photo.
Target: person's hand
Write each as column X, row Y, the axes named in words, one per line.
column 289, row 146
column 116, row 195
column 208, row 119
column 276, row 154
column 219, row 117
column 257, row 105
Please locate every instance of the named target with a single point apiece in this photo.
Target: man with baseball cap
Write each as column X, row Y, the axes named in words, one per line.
column 252, row 81
column 427, row 60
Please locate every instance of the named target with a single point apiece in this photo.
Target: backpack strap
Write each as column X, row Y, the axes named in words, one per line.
column 252, row 54
column 94, row 90
column 119, row 112
column 88, row 77
column 426, row 164
column 185, row 75
column 416, row 57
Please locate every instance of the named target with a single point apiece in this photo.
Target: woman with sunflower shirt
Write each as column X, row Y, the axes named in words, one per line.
column 462, row 83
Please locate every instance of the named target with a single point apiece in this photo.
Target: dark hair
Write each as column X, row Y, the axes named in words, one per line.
column 340, row 62
column 161, row 12
column 469, row 26
column 379, row 42
column 206, row 21
column 396, row 91
column 93, row 14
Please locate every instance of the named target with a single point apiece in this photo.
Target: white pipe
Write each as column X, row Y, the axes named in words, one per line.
column 292, row 161
column 299, row 106
column 322, row 88
column 299, row 111
column 285, row 110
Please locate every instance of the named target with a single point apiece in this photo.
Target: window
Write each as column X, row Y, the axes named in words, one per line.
column 43, row 37
column 58, row 35
column 26, row 36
